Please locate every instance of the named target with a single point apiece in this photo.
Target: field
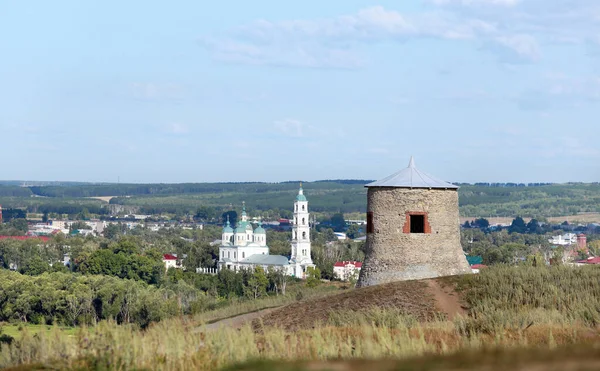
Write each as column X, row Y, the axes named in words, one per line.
column 560, row 201
column 518, row 317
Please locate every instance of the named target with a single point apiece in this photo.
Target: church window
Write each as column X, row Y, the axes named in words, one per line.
column 303, row 235
column 303, row 221
column 243, row 255
column 235, row 255
column 302, row 207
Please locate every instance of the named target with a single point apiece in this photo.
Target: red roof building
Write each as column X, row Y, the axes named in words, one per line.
column 23, row 238
column 345, row 263
column 169, row 257
column 591, row 260
column 478, row 266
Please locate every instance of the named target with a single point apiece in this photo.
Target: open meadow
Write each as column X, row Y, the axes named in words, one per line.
column 509, row 315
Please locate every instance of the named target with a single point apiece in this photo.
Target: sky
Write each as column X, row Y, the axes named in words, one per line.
column 194, row 91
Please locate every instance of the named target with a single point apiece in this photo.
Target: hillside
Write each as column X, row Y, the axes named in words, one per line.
column 422, row 300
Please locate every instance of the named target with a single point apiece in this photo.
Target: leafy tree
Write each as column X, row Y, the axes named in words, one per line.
column 313, row 277
column 338, row 223
column 518, row 226
column 353, row 231
column 112, row 231
column 481, row 223
column 257, row 283
column 35, row 266
column 19, row 224
column 534, row 227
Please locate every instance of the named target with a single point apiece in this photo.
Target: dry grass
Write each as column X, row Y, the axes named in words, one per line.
column 513, row 312
column 579, row 218
column 410, row 297
column 176, row 345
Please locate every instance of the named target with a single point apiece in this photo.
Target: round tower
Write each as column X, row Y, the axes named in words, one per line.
column 413, row 229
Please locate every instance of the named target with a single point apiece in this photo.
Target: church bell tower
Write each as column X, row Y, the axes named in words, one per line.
column 301, row 230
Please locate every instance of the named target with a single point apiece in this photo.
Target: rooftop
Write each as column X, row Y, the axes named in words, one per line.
column 411, row 177
column 260, row 259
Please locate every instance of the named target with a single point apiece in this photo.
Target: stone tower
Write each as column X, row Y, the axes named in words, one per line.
column 413, row 229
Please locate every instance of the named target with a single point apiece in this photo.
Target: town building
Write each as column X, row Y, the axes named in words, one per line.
column 564, row 240
column 245, row 247
column 171, row 261
column 347, row 270
column 413, row 229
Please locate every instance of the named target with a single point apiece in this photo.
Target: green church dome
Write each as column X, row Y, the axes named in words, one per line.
column 227, row 228
column 260, row 229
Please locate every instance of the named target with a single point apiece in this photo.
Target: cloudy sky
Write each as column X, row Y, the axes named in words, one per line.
column 193, row 91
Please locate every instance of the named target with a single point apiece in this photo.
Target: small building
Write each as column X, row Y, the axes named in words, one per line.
column 413, row 229
column 564, row 240
column 476, row 268
column 589, row 261
column 171, row 261
column 345, row 270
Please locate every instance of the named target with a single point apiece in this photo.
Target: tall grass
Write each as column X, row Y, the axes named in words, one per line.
column 176, row 345
column 509, row 308
column 557, row 294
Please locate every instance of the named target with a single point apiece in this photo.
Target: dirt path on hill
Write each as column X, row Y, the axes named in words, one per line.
column 237, row 321
column 446, row 299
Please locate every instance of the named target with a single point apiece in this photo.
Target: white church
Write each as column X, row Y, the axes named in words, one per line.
column 245, row 247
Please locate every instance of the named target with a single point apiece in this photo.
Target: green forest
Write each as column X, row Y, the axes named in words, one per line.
column 331, row 196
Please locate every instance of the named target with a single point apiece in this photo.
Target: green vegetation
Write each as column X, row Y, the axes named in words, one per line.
column 514, row 297
column 510, row 308
column 271, row 200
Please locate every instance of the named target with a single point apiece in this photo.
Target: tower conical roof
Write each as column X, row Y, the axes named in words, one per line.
column 411, row 177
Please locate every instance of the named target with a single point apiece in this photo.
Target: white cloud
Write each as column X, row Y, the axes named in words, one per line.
column 333, row 42
column 513, row 30
column 525, row 46
column 176, row 128
column 290, row 127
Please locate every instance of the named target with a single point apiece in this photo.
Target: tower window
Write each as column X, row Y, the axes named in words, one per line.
column 303, row 221
column 303, row 235
column 302, row 207
column 370, row 228
column 417, row 222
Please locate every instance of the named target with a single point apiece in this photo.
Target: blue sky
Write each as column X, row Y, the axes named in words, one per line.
column 189, row 91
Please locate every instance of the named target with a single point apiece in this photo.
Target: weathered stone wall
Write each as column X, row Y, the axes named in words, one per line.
column 392, row 255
